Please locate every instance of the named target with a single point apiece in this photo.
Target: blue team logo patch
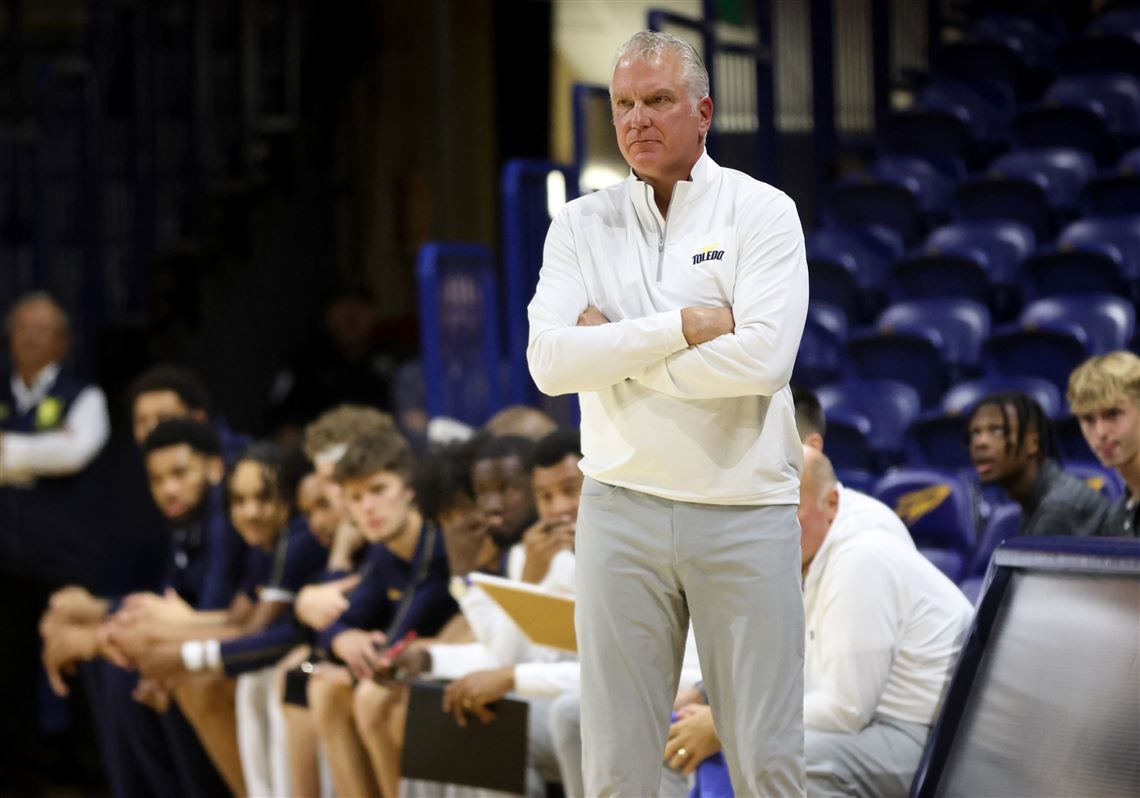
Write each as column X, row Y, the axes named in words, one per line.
column 709, row 253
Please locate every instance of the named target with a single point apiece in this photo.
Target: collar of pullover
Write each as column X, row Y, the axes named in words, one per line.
column 704, row 173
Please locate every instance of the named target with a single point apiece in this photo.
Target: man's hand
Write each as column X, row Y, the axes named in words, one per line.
column 467, row 543
column 475, row 691
column 75, row 604
column 591, row 317
column 333, row 674
column 360, row 651
column 108, row 649
column 692, row 739
column 152, row 694
column 411, row 662
column 169, row 609
column 541, row 542
column 66, row 646
column 701, row 325
column 346, row 542
column 317, row 606
column 131, row 640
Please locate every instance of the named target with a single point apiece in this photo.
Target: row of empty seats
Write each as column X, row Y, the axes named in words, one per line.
column 858, row 260
column 1025, row 82
column 932, row 344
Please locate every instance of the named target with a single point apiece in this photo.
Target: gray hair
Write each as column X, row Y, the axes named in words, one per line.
column 648, row 45
column 32, row 298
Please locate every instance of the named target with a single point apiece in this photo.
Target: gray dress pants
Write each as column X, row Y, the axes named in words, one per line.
column 566, row 736
column 877, row 762
column 644, row 566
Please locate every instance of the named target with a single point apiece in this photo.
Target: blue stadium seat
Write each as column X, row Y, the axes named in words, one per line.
column 933, row 187
column 1124, row 22
column 1099, row 54
column 935, row 506
column 937, row 133
column 1005, row 244
column 1004, row 523
column 980, row 62
column 976, row 260
column 848, row 266
column 1117, row 236
column 862, row 199
column 1103, row 480
column 927, row 274
column 1108, row 321
column 962, row 397
column 831, row 317
column 1034, row 44
column 1091, row 255
column 834, row 279
column 820, row 356
column 985, row 109
column 862, row 481
column 848, row 441
column 1098, row 255
column 971, row 588
column 1021, row 198
column 1034, row 187
column 950, row 563
column 1116, row 192
column 888, row 406
column 904, row 353
column 938, row 439
column 1118, row 95
column 1072, row 126
column 962, row 324
column 1050, row 351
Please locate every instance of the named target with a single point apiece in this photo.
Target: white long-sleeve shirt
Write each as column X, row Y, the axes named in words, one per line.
column 712, row 423
column 883, row 625
column 25, row 457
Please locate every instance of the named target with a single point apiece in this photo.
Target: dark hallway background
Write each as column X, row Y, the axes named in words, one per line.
column 196, row 178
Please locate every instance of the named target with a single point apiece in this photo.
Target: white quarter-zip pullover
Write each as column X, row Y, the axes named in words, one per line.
column 713, row 423
column 883, row 625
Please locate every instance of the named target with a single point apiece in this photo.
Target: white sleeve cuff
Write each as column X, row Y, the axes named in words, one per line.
column 546, row 679
column 202, row 655
column 451, row 661
column 277, row 594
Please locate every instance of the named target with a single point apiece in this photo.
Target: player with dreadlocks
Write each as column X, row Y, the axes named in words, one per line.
column 1012, row 444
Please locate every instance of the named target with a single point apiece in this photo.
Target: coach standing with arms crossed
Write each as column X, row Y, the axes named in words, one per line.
column 673, row 303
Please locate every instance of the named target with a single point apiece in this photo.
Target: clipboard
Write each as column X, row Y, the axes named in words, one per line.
column 546, row 618
column 436, row 748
